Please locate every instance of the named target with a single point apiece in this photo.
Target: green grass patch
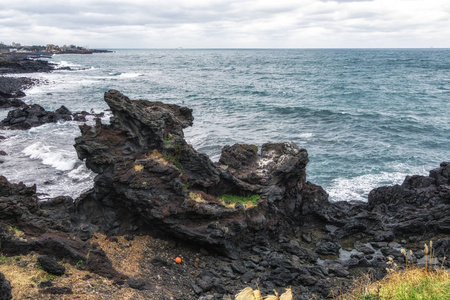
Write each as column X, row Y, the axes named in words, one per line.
column 4, row 259
column 239, row 199
column 174, row 159
column 418, row 285
column 174, row 153
column 410, row 283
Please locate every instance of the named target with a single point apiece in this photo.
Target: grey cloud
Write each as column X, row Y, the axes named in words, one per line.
column 220, row 21
column 103, row 12
column 346, row 1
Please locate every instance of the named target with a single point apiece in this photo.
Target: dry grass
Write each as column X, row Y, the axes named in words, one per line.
column 25, row 276
column 157, row 156
column 16, row 232
column 197, row 197
column 249, row 294
column 138, row 168
column 124, row 255
column 410, row 283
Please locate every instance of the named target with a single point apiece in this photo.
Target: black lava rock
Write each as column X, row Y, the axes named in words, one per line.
column 5, row 288
column 50, row 265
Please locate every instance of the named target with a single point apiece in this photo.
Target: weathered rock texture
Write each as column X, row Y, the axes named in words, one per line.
column 27, row 225
column 50, row 265
column 150, row 181
column 21, row 64
column 150, row 178
column 417, row 209
column 34, row 115
column 11, row 89
column 5, row 288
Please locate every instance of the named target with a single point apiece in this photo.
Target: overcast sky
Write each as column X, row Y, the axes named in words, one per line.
column 227, row 23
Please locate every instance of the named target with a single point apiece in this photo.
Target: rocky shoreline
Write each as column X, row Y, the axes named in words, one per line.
column 154, row 193
column 12, row 88
column 12, row 63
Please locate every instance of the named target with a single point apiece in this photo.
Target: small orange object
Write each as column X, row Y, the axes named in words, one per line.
column 178, row 260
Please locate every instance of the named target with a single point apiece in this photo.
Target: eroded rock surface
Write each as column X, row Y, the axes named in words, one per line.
column 150, row 178
column 150, row 181
column 21, row 64
column 5, row 288
column 11, row 89
column 27, row 225
column 34, row 115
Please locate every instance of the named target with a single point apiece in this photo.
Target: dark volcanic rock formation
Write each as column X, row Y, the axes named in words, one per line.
column 417, row 209
column 34, row 115
column 45, row 228
column 151, row 181
column 21, row 64
column 11, row 89
column 150, row 178
column 50, row 265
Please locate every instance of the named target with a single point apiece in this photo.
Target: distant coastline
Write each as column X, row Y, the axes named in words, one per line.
column 48, row 50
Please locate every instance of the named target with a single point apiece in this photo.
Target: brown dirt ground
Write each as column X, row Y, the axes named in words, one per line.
column 144, row 258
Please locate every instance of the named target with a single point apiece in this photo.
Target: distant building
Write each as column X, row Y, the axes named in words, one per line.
column 52, row 48
column 15, row 45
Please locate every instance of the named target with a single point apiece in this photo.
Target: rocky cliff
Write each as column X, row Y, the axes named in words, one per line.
column 149, row 178
column 251, row 218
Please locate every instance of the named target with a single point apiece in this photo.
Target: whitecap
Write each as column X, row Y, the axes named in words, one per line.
column 49, row 155
column 130, row 75
column 306, row 135
column 63, row 64
column 358, row 188
column 80, row 173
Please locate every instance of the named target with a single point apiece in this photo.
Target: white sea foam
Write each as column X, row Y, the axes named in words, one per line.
column 63, row 63
column 49, row 155
column 306, row 135
column 67, row 64
column 130, row 75
column 358, row 188
column 80, row 173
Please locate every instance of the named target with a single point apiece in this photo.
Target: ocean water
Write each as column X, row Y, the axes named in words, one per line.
column 367, row 117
